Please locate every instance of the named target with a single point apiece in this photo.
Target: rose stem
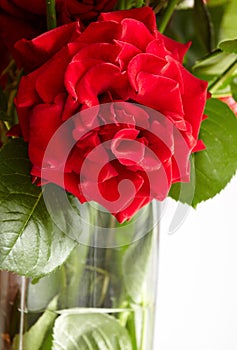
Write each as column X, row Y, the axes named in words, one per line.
column 51, row 14
column 221, row 79
column 167, row 15
column 159, row 5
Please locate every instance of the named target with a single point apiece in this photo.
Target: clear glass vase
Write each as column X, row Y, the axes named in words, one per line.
column 102, row 298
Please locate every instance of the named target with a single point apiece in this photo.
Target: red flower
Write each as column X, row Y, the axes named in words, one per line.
column 27, row 19
column 5, row 59
column 21, row 19
column 231, row 103
column 85, row 10
column 123, row 58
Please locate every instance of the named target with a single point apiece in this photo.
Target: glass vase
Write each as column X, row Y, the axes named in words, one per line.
column 102, row 298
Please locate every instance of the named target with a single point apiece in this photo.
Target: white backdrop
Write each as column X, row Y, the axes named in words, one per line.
column 197, row 286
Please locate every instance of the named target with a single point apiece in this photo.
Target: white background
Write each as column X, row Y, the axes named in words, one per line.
column 197, row 286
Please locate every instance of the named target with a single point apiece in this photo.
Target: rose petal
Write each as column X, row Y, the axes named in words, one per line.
column 194, row 100
column 110, row 189
column 127, row 52
column 50, row 82
column 127, row 149
column 144, row 15
column 100, row 32
column 146, row 63
column 43, row 47
column 200, row 146
column 160, row 181
column 70, row 108
column 173, row 71
column 128, row 213
column 158, row 92
column 102, row 51
column 44, row 122
column 27, row 95
column 99, row 79
column 14, row 131
column 157, row 48
column 135, row 33
column 132, row 115
column 85, row 10
column 86, row 58
column 74, row 72
column 176, row 49
column 18, row 8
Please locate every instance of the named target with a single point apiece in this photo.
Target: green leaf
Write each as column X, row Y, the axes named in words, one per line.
column 216, row 165
column 48, row 341
column 213, row 65
column 214, row 3
column 183, row 29
column 228, row 27
column 89, row 332
column 218, row 69
column 183, row 192
column 234, row 88
column 229, row 46
column 38, row 333
column 203, row 24
column 30, row 243
column 216, row 13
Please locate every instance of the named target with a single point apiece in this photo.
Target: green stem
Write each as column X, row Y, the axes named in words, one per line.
column 51, row 14
column 123, row 316
column 8, row 109
column 4, row 127
column 159, row 5
column 213, row 87
column 121, row 5
column 108, row 256
column 110, row 242
column 144, row 320
column 168, row 12
column 127, row 319
column 8, row 68
column 131, row 327
column 97, row 269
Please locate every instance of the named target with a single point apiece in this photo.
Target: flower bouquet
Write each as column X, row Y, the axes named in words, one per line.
column 106, row 108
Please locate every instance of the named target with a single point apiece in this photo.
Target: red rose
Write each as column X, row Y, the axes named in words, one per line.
column 5, row 59
column 21, row 19
column 122, row 57
column 231, row 103
column 85, row 10
column 27, row 19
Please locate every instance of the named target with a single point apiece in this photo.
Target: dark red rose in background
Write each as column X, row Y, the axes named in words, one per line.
column 122, row 57
column 84, row 10
column 4, row 61
column 21, row 19
column 27, row 19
